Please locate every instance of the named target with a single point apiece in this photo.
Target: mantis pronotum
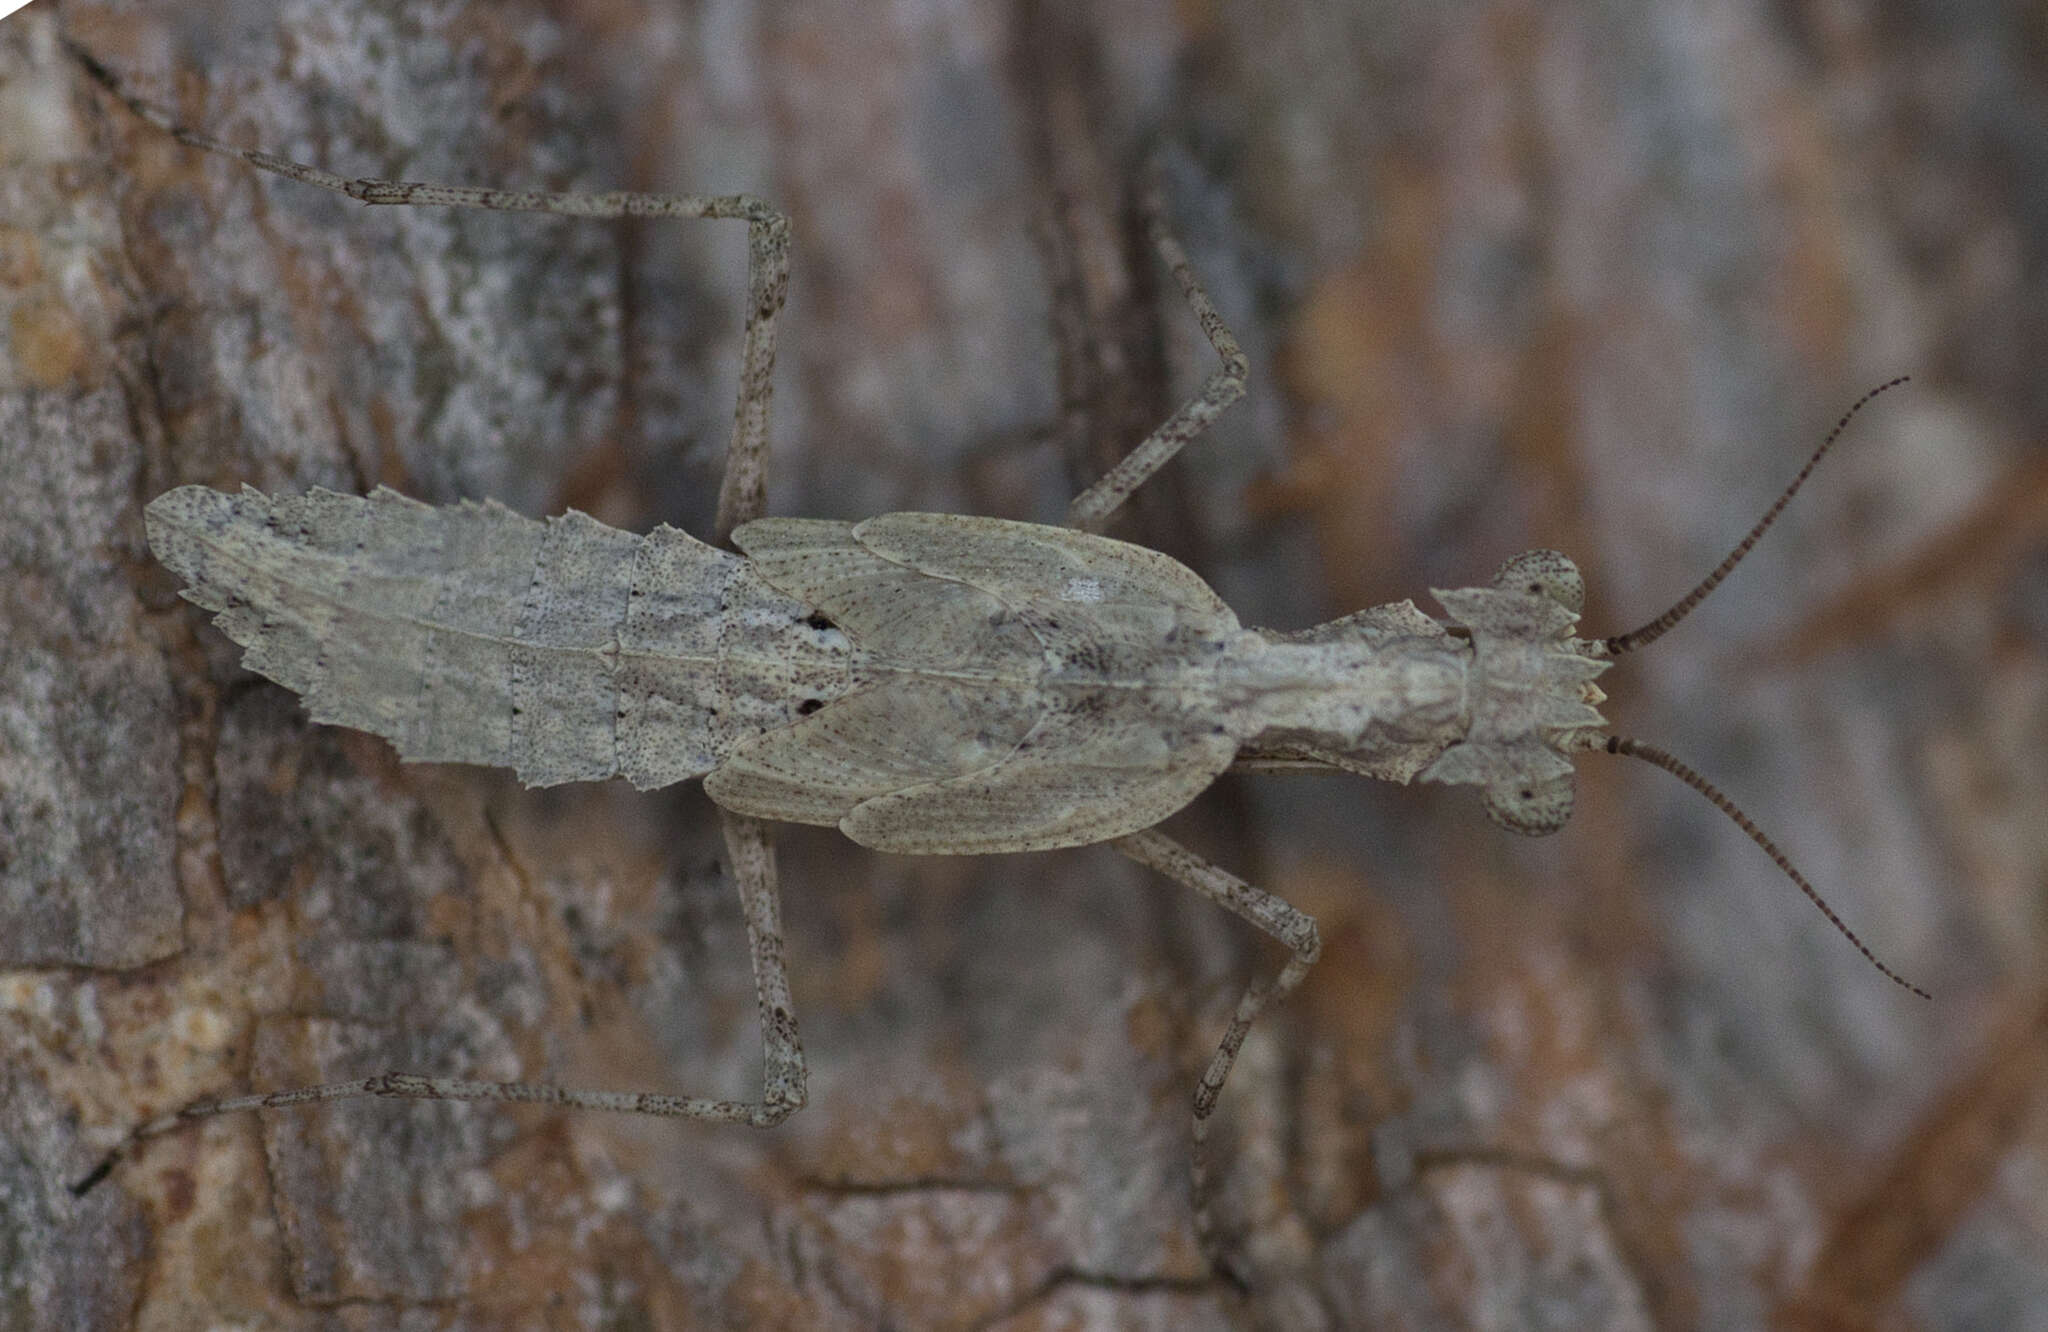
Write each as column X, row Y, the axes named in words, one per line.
column 927, row 683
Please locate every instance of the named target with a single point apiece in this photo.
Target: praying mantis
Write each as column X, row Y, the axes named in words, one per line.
column 926, row 683
column 1199, row 1037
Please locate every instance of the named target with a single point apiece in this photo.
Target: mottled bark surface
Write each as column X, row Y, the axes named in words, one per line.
column 1593, row 278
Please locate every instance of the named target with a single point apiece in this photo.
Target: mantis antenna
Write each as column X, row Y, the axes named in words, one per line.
column 1656, row 629
column 1617, row 744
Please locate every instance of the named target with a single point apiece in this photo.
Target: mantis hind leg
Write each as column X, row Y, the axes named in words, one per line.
column 783, row 1089
column 743, row 494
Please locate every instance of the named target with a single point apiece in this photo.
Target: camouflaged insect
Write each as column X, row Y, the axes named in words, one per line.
column 924, row 682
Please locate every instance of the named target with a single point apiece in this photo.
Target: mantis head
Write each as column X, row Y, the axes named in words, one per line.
column 1533, row 700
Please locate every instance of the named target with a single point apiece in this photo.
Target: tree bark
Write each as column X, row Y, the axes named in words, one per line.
column 1508, row 276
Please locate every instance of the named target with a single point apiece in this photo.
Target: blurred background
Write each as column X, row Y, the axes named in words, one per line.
column 1509, row 275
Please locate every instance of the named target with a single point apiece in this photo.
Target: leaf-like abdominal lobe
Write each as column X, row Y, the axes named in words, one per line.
column 564, row 649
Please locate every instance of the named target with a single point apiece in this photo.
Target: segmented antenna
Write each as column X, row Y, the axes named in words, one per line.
column 1651, row 754
column 1656, row 628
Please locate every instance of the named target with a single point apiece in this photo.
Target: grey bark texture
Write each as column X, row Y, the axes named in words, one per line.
column 1508, row 275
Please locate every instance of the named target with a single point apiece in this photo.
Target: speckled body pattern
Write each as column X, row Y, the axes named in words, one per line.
column 925, row 682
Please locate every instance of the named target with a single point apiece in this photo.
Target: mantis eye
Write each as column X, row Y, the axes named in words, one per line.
column 1544, row 573
column 1533, row 809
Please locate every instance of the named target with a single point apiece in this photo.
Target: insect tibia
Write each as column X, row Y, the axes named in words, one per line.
column 1657, row 628
column 1651, row 754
